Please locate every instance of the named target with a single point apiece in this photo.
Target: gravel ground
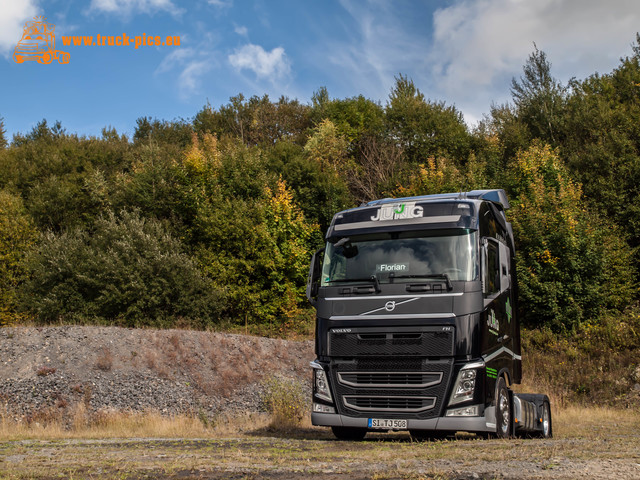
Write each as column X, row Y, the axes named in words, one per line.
column 170, row 371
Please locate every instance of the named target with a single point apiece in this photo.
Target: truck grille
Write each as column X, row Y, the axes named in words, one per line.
column 398, row 387
column 403, row 341
column 390, row 379
column 389, row 404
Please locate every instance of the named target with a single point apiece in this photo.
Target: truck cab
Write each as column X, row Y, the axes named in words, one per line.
column 416, row 325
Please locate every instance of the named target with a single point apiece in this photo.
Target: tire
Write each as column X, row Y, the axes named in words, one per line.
column 547, row 426
column 427, row 435
column 503, row 410
column 18, row 58
column 46, row 58
column 63, row 57
column 349, row 433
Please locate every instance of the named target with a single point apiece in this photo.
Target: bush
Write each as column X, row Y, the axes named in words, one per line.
column 286, row 401
column 127, row 270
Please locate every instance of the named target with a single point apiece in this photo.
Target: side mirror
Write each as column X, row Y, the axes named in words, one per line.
column 313, row 284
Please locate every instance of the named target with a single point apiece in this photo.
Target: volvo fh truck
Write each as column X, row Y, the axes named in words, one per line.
column 417, row 326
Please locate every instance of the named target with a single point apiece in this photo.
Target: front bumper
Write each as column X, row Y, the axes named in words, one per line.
column 449, row 424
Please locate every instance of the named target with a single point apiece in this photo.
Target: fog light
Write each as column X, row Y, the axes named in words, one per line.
column 472, row 411
column 320, row 408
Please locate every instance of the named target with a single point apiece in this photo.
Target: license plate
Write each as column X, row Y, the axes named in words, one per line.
column 387, row 424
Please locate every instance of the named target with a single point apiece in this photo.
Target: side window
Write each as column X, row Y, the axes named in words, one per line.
column 490, row 268
column 505, row 277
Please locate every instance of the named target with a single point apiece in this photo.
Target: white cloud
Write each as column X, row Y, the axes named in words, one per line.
column 479, row 45
column 127, row 7
column 13, row 15
column 220, row 3
column 271, row 65
column 192, row 66
column 190, row 77
column 241, row 30
column 378, row 48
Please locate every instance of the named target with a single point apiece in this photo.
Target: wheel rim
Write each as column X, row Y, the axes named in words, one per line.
column 545, row 420
column 504, row 412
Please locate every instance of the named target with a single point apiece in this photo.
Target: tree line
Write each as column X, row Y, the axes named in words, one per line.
column 213, row 219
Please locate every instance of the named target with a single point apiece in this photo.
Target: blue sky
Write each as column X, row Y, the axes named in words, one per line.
column 463, row 52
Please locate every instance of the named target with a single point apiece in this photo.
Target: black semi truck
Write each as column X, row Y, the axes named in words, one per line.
column 417, row 325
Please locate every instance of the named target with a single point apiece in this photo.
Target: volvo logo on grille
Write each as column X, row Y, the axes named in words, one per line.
column 390, row 306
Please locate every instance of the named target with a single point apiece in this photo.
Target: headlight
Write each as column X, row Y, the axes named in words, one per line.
column 320, row 384
column 465, row 384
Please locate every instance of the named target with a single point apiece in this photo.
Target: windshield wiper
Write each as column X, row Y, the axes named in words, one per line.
column 372, row 279
column 428, row 275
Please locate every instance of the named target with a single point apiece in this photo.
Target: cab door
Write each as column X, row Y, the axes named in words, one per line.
column 496, row 290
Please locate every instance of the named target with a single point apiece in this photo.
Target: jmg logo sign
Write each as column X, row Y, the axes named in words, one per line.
column 397, row 211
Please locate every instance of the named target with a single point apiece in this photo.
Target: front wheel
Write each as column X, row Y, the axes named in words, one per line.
column 349, row 433
column 503, row 410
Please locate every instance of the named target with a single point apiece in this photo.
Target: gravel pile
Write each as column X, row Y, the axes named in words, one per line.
column 54, row 369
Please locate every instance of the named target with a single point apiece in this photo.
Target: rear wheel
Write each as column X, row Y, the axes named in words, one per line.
column 503, row 410
column 547, row 427
column 349, row 433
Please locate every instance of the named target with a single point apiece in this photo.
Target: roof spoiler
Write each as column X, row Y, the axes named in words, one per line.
column 496, row 196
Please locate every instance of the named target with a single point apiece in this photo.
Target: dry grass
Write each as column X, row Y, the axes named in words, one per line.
column 570, row 422
column 593, row 422
column 104, row 361
column 589, row 443
column 113, row 424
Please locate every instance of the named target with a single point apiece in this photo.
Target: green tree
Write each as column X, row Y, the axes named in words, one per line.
column 353, row 117
column 256, row 121
column 3, row 133
column 539, row 98
column 127, row 270
column 572, row 265
column 177, row 132
column 327, row 149
column 17, row 235
column 315, row 190
column 65, row 180
column 423, row 128
column 602, row 141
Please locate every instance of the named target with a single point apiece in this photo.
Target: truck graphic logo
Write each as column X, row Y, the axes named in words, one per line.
column 38, row 43
column 397, row 211
column 492, row 322
column 390, row 306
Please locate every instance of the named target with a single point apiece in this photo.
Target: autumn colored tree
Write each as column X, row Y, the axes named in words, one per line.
column 572, row 265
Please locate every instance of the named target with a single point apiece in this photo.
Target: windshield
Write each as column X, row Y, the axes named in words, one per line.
column 398, row 257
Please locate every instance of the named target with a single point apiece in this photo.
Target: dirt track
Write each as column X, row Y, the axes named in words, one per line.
column 312, row 453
